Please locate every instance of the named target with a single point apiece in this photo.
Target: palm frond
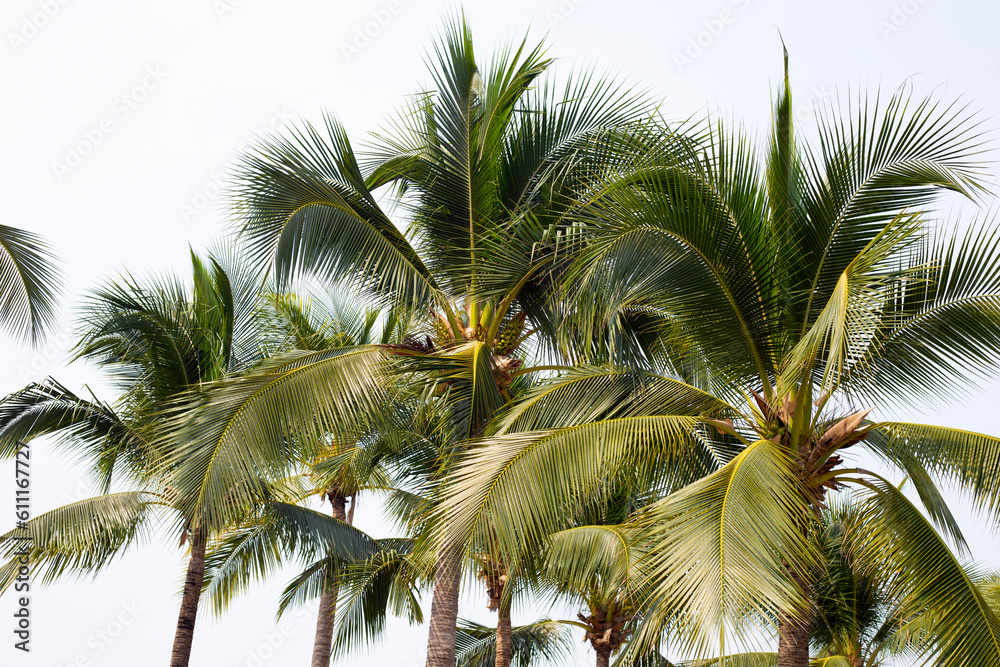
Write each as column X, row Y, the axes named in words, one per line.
column 591, row 560
column 280, row 533
column 873, row 166
column 558, row 469
column 30, row 282
column 80, row 538
column 87, row 425
column 937, row 331
column 972, row 460
column 761, row 659
column 904, row 549
column 303, row 206
column 727, row 547
column 222, row 438
column 369, row 590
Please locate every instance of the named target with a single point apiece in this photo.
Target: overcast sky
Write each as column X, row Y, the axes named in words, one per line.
column 119, row 117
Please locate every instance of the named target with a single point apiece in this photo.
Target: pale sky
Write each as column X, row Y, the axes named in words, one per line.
column 119, row 117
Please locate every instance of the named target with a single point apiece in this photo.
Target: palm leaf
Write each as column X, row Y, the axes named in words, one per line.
column 972, row 460
column 222, row 438
column 29, row 284
column 280, row 533
column 89, row 426
column 871, row 168
column 83, row 537
column 725, row 548
column 303, row 205
column 369, row 590
column 902, row 548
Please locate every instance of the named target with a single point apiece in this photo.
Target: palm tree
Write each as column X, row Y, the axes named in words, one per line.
column 29, row 283
column 594, row 563
column 154, row 339
column 485, row 167
column 531, row 644
column 857, row 622
column 341, row 470
column 855, row 617
column 800, row 287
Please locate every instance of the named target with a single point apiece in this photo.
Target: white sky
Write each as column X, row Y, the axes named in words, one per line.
column 166, row 93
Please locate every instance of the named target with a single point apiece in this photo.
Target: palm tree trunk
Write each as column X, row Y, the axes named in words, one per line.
column 604, row 656
column 181, row 654
column 443, row 625
column 793, row 643
column 793, row 633
column 328, row 601
column 504, row 639
column 444, row 606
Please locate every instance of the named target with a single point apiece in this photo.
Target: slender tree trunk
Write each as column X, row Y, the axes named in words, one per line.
column 444, row 606
column 604, row 656
column 443, row 624
column 793, row 643
column 504, row 639
column 793, row 633
column 181, row 654
column 328, row 601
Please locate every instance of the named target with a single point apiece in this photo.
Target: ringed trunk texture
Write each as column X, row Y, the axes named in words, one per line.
column 184, row 637
column 444, row 606
column 793, row 634
column 504, row 639
column 604, row 656
column 328, row 601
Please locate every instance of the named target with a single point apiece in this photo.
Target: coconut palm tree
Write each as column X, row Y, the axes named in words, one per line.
column 531, row 644
column 341, row 470
column 857, row 622
column 594, row 563
column 154, row 339
column 484, row 167
column 29, row 283
column 811, row 288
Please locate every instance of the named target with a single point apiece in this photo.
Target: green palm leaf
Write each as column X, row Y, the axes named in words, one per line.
column 870, row 169
column 724, row 549
column 972, row 460
column 304, row 206
column 29, row 283
column 89, row 426
column 224, row 437
column 902, row 547
column 369, row 590
column 83, row 537
column 592, row 560
column 941, row 328
column 281, row 532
